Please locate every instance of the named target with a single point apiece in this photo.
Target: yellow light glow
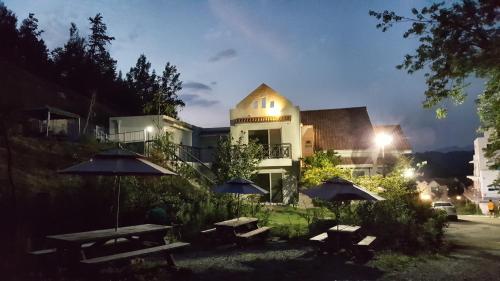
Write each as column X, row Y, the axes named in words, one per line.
column 274, row 111
column 383, row 139
column 425, row 197
column 409, row 173
column 149, row 129
column 459, row 197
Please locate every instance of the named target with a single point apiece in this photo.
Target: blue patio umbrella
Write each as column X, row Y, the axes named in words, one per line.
column 239, row 186
column 338, row 189
column 117, row 162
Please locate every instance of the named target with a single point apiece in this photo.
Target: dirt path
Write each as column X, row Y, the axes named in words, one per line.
column 474, row 256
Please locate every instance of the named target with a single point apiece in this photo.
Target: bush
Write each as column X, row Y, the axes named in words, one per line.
column 403, row 224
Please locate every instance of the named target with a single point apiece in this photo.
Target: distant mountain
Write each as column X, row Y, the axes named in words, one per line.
column 445, row 165
column 454, row 148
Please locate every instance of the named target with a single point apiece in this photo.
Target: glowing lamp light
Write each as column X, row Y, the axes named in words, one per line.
column 383, row 139
column 425, row 197
column 149, row 129
column 409, row 173
column 459, row 197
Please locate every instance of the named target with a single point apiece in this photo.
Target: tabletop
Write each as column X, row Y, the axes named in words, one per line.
column 345, row 228
column 237, row 222
column 106, row 234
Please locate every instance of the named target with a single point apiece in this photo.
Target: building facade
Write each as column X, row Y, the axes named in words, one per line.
column 483, row 176
column 286, row 134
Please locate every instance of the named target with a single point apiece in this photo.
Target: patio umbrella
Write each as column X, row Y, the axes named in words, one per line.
column 239, row 186
column 117, row 162
column 338, row 189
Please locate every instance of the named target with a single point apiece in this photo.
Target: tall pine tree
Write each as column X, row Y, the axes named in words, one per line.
column 32, row 50
column 165, row 99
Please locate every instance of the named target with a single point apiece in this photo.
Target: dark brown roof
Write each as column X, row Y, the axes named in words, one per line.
column 356, row 160
column 399, row 139
column 340, row 129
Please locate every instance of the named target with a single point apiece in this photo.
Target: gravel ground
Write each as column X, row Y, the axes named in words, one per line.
column 273, row 261
column 474, row 255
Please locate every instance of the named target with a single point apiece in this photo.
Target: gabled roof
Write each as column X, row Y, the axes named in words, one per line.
column 399, row 139
column 340, row 129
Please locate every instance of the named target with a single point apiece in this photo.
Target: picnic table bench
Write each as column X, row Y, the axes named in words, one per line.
column 345, row 237
column 75, row 248
column 238, row 230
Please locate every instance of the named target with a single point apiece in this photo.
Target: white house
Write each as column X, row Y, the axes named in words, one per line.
column 286, row 133
column 483, row 176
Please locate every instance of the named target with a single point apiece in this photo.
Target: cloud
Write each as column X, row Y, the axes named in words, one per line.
column 236, row 19
column 196, row 86
column 222, row 55
column 194, row 99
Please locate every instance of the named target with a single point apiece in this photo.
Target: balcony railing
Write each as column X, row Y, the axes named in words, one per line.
column 277, row 151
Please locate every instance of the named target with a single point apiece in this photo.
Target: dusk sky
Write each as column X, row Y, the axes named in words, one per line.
column 319, row 54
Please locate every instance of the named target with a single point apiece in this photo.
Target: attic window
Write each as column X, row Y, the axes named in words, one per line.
column 271, row 104
column 255, row 104
column 263, row 102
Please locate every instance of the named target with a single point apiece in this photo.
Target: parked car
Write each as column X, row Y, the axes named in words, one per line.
column 447, row 207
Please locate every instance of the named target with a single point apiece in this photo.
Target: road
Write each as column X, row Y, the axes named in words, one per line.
column 474, row 254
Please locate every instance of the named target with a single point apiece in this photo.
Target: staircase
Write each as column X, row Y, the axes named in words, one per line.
column 182, row 159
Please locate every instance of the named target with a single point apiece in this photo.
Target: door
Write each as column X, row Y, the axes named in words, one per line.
column 276, row 183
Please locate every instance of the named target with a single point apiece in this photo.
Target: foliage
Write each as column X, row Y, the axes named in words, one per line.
column 322, row 159
column 489, row 114
column 235, row 159
column 85, row 66
column 315, row 176
column 164, row 99
column 456, row 41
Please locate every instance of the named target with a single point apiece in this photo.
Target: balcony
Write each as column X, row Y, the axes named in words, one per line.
column 276, row 155
column 277, row 151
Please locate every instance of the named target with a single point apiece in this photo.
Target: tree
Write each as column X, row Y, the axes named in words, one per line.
column 235, row 159
column 32, row 50
column 141, row 81
column 321, row 159
column 456, row 41
column 8, row 33
column 98, row 40
column 165, row 100
column 72, row 64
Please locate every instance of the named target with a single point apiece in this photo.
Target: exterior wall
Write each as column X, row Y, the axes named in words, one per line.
column 307, row 140
column 246, row 116
column 290, row 130
column 181, row 133
column 483, row 176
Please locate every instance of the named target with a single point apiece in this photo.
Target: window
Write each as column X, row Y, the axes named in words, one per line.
column 255, row 104
column 271, row 104
column 263, row 102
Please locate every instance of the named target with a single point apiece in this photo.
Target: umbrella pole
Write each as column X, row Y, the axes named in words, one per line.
column 238, row 206
column 117, row 204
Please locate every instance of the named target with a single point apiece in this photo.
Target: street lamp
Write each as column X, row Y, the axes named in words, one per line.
column 382, row 140
column 409, row 173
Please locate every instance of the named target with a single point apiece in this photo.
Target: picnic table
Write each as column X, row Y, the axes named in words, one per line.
column 344, row 235
column 237, row 230
column 73, row 247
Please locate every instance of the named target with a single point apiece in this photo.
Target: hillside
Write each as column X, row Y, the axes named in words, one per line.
column 20, row 89
column 446, row 165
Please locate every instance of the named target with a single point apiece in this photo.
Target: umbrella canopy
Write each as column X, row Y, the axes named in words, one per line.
column 117, row 162
column 240, row 186
column 338, row 189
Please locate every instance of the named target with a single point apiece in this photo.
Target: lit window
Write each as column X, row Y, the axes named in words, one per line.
column 271, row 104
column 263, row 102
column 255, row 104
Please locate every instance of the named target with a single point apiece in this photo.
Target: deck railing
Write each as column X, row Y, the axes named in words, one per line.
column 277, row 151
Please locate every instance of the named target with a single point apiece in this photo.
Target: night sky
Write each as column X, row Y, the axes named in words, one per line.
column 319, row 54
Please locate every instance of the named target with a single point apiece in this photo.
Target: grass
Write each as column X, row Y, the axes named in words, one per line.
column 288, row 222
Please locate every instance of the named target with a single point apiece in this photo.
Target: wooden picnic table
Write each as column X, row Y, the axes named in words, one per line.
column 72, row 242
column 229, row 231
column 234, row 223
column 343, row 236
